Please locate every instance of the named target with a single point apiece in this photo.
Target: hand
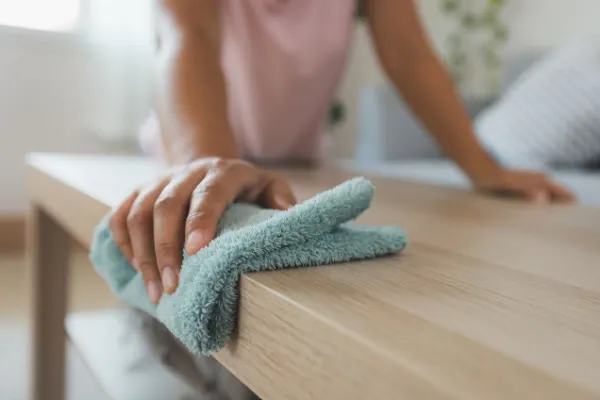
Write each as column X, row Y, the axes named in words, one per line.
column 531, row 186
column 184, row 207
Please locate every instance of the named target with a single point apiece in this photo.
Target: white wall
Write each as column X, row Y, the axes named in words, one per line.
column 45, row 104
column 64, row 92
column 535, row 25
column 540, row 24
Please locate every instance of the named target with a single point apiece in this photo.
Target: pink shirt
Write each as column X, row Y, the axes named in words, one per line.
column 282, row 61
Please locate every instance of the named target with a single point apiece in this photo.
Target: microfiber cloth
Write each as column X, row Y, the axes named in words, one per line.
column 202, row 312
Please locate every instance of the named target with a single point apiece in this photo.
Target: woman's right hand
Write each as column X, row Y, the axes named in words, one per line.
column 182, row 209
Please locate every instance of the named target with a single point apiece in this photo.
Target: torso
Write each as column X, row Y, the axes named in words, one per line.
column 282, row 61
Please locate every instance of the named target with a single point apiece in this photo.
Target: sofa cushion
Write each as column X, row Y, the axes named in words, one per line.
column 549, row 116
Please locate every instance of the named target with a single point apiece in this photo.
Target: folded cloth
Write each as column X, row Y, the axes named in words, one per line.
column 202, row 312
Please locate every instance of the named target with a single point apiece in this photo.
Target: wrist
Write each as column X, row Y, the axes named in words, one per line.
column 482, row 170
column 185, row 153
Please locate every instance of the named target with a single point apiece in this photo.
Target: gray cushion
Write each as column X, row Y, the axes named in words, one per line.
column 387, row 129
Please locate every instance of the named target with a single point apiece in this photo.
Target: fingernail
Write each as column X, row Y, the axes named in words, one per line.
column 169, row 279
column 196, row 240
column 134, row 264
column 153, row 291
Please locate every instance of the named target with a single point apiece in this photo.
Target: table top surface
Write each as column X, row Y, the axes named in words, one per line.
column 491, row 299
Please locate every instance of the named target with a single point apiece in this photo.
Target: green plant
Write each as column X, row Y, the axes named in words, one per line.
column 360, row 10
column 337, row 110
column 337, row 113
column 477, row 29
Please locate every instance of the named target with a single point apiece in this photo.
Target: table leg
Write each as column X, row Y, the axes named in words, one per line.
column 48, row 247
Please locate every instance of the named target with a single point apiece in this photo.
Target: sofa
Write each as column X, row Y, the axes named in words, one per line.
column 391, row 142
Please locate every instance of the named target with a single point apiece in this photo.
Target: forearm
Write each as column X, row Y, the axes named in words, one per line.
column 191, row 98
column 410, row 63
column 429, row 92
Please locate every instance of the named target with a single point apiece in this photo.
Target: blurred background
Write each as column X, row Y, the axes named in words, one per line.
column 76, row 76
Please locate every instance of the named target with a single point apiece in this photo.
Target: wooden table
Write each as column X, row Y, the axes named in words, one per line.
column 492, row 299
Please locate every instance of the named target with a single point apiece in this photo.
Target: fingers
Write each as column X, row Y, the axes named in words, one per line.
column 547, row 191
column 539, row 196
column 220, row 187
column 535, row 187
column 560, row 194
column 118, row 227
column 278, row 194
column 140, row 225
column 170, row 212
column 151, row 226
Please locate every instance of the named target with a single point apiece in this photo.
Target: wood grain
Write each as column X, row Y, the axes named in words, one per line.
column 493, row 299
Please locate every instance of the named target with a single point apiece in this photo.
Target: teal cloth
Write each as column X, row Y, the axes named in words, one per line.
column 202, row 312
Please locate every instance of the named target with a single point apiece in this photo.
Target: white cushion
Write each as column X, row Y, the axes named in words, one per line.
column 551, row 115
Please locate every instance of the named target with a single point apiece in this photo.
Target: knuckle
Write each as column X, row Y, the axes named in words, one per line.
column 221, row 164
column 138, row 219
column 199, row 218
column 243, row 168
column 200, row 215
column 198, row 197
column 148, row 269
column 212, row 187
column 166, row 249
column 224, row 165
column 201, row 163
column 166, row 204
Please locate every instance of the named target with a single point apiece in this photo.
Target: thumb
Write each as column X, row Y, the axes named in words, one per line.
column 278, row 195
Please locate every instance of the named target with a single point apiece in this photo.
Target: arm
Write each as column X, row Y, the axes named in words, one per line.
column 182, row 207
column 411, row 65
column 191, row 97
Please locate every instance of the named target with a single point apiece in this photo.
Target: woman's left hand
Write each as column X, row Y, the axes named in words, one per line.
column 531, row 186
